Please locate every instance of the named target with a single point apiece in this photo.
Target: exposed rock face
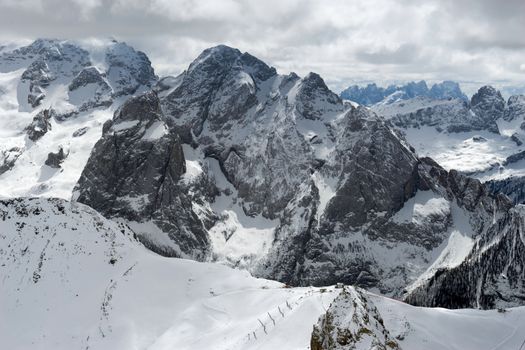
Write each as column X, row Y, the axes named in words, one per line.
column 312, row 95
column 309, row 252
column 351, row 322
column 89, row 89
column 80, row 132
column 517, row 139
column 453, row 115
column 513, row 187
column 54, row 160
column 129, row 70
column 133, row 173
column 515, row 108
column 488, row 104
column 218, row 88
column 52, row 60
column 39, row 126
column 449, row 115
column 219, row 101
column 493, row 274
column 368, row 152
column 369, row 95
column 8, row 158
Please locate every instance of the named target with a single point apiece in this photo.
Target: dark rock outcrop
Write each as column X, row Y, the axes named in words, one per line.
column 488, row 104
column 515, row 108
column 313, row 92
column 134, row 172
column 80, row 132
column 40, row 125
column 129, row 70
column 493, row 273
column 54, row 160
column 8, row 158
column 89, row 89
column 513, row 187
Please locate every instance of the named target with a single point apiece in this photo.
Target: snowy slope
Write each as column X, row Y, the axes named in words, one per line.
column 71, row 279
column 74, row 280
column 480, row 137
column 443, row 329
column 469, row 152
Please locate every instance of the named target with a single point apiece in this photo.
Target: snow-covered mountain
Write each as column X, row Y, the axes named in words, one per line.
column 230, row 162
column 372, row 94
column 451, row 116
column 482, row 138
column 54, row 97
column 72, row 279
column 234, row 163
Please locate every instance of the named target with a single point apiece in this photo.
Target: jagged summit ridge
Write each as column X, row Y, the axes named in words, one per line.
column 372, row 94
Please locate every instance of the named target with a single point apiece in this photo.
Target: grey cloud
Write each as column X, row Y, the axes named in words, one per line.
column 404, row 54
column 469, row 40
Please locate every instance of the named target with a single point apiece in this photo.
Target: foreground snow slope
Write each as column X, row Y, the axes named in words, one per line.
column 71, row 279
column 444, row 329
column 360, row 320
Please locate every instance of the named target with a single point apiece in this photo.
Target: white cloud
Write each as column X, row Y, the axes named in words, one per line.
column 344, row 41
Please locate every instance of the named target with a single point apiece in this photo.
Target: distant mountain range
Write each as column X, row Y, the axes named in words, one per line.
column 373, row 94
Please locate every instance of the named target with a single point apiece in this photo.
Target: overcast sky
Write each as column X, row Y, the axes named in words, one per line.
column 476, row 41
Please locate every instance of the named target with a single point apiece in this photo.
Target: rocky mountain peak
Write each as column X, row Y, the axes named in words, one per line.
column 315, row 99
column 352, row 322
column 413, row 89
column 488, row 104
column 372, row 94
column 128, row 69
column 49, row 62
column 221, row 59
column 515, row 108
column 134, row 172
column 88, row 75
column 486, row 94
column 256, row 68
column 142, row 108
column 49, row 48
column 220, row 56
column 447, row 89
column 219, row 87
